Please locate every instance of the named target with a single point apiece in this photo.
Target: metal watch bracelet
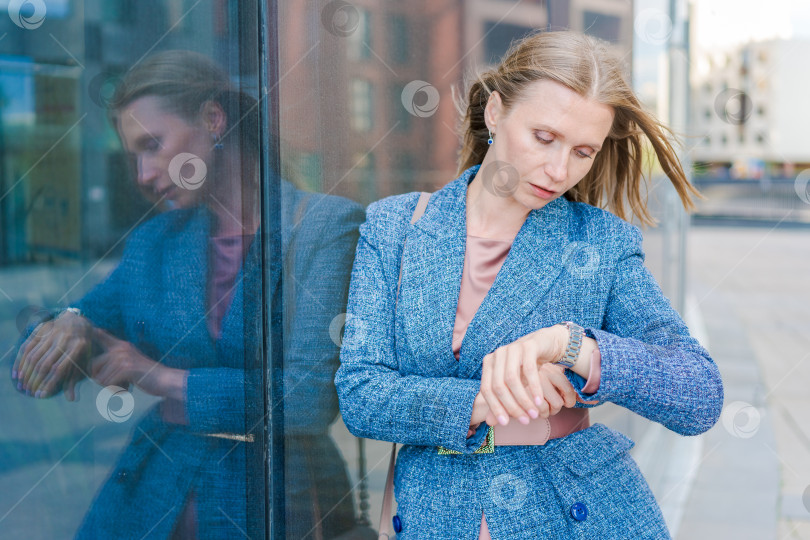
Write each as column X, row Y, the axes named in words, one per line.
column 575, row 336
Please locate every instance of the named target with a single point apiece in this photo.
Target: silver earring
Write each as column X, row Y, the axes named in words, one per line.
column 490, row 140
column 217, row 142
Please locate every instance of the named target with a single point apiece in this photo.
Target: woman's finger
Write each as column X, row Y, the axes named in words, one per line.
column 555, row 402
column 501, row 388
column 563, row 386
column 488, row 388
column 519, row 354
column 44, row 367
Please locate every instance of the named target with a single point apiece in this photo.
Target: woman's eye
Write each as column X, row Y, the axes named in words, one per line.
column 543, row 139
column 582, row 154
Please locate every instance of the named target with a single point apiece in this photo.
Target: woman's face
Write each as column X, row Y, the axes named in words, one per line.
column 153, row 137
column 550, row 136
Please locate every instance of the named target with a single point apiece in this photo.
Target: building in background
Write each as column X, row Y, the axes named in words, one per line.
column 395, row 72
column 749, row 110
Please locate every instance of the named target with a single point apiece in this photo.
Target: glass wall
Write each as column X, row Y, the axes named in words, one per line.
column 129, row 189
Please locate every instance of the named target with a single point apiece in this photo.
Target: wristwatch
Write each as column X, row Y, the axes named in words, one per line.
column 575, row 335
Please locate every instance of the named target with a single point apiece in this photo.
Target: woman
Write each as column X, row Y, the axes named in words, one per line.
column 513, row 297
column 181, row 318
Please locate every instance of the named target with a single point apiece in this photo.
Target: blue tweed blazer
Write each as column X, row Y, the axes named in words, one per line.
column 156, row 299
column 399, row 380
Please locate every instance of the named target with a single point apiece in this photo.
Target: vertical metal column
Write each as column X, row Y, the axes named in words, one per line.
column 679, row 122
column 271, row 255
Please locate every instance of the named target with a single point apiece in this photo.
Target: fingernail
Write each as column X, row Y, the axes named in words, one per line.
column 28, row 393
column 19, row 386
column 14, row 374
column 524, row 420
column 533, row 413
column 503, row 419
column 538, row 401
column 38, row 394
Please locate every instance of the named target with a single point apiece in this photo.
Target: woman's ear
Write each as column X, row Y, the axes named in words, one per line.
column 214, row 118
column 493, row 111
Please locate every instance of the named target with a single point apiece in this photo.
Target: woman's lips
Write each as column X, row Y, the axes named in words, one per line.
column 542, row 193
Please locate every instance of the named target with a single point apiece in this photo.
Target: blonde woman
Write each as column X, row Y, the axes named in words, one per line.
column 481, row 330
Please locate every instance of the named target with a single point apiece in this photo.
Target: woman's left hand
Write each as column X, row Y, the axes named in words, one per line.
column 122, row 364
column 512, row 372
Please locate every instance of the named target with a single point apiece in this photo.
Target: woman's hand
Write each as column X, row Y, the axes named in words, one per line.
column 122, row 364
column 55, row 354
column 557, row 390
column 511, row 381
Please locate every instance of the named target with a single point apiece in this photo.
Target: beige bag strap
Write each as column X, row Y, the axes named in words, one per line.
column 388, row 495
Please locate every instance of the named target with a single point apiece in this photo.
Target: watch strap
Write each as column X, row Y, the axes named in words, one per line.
column 575, row 336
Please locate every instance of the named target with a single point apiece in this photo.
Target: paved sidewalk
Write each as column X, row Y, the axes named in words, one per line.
column 752, row 287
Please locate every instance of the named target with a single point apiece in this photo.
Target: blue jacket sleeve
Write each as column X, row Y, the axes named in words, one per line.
column 376, row 400
column 651, row 365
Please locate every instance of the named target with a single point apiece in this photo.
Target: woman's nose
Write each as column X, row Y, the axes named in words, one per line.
column 557, row 166
column 147, row 172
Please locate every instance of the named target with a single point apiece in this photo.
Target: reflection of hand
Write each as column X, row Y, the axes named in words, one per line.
column 522, row 368
column 53, row 356
column 122, row 364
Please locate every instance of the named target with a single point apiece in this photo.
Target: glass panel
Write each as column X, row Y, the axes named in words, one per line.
column 367, row 93
column 129, row 189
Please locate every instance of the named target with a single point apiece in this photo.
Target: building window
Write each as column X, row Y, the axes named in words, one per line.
column 399, row 43
column 602, row 25
column 362, row 105
column 761, row 138
column 399, row 114
column 724, row 140
column 498, row 38
column 761, row 110
column 359, row 44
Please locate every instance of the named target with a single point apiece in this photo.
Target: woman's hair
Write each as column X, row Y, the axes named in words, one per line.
column 184, row 81
column 583, row 64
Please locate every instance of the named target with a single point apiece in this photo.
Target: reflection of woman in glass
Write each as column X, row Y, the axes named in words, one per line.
column 520, row 302
column 181, row 318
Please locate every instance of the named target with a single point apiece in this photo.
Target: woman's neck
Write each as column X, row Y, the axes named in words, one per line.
column 235, row 201
column 492, row 216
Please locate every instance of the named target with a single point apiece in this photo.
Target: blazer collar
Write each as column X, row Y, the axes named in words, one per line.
column 435, row 252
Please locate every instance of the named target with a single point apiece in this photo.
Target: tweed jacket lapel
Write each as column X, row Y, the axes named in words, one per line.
column 433, row 262
column 184, row 272
column 533, row 264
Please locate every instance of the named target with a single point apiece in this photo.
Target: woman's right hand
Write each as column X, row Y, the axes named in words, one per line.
column 556, row 392
column 53, row 356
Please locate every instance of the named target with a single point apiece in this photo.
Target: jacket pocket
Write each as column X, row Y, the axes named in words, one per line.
column 588, row 450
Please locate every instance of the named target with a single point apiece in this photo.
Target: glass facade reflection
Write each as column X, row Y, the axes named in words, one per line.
column 184, row 241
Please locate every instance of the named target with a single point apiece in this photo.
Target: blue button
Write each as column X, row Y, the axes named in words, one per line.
column 579, row 511
column 397, row 524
